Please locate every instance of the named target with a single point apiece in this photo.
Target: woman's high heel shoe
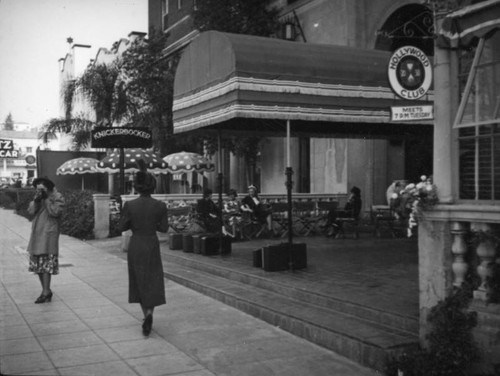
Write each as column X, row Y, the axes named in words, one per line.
column 44, row 298
column 146, row 326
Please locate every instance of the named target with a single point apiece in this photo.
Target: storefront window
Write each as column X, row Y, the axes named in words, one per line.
column 479, row 123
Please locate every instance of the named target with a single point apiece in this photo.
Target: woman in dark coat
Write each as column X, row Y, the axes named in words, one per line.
column 145, row 216
column 43, row 247
column 209, row 212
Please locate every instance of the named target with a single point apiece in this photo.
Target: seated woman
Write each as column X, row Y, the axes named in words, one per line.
column 252, row 204
column 352, row 209
column 208, row 212
column 232, row 213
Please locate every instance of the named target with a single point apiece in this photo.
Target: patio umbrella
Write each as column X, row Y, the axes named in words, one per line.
column 184, row 162
column 78, row 166
column 111, row 162
column 188, row 162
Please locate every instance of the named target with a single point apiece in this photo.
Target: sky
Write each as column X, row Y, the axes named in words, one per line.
column 33, row 36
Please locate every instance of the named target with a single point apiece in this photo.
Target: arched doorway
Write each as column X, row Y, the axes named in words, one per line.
column 413, row 25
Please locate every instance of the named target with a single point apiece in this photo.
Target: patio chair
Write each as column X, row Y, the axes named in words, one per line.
column 250, row 227
column 347, row 221
column 305, row 218
column 323, row 210
column 279, row 218
column 383, row 218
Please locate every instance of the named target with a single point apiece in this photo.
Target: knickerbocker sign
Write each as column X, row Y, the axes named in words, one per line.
column 410, row 72
column 121, row 137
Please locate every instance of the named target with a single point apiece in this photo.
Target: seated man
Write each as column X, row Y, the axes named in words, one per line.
column 352, row 209
column 209, row 212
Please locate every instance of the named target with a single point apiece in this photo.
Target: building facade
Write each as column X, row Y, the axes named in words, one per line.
column 458, row 239
column 21, row 164
column 320, row 164
column 460, row 152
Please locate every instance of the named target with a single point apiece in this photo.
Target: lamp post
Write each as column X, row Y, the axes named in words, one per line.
column 220, row 180
column 289, row 185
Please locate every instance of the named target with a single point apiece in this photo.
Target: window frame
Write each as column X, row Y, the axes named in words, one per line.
column 477, row 135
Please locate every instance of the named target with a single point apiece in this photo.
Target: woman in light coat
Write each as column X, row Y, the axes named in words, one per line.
column 43, row 247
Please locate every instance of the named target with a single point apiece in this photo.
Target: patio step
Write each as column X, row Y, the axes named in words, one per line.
column 268, row 281
column 367, row 342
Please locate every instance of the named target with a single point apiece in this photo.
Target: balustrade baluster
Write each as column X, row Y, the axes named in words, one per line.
column 486, row 251
column 459, row 249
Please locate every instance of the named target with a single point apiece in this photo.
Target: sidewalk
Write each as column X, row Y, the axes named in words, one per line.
column 90, row 329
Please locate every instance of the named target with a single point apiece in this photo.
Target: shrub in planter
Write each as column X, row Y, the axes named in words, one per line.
column 452, row 349
column 24, row 197
column 8, row 198
column 78, row 216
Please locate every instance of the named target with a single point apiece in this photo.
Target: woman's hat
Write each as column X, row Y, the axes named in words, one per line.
column 252, row 187
column 45, row 181
column 144, row 181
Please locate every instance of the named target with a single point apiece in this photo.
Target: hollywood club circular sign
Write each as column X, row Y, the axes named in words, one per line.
column 410, row 72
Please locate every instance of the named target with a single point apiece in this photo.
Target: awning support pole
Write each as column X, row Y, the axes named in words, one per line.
column 220, row 179
column 122, row 175
column 289, row 185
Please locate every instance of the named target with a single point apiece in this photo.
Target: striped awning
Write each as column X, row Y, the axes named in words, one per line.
column 233, row 81
column 467, row 25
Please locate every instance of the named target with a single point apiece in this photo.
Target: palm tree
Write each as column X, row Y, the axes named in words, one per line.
column 98, row 87
column 78, row 127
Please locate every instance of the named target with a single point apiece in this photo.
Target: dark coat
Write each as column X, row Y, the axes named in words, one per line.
column 45, row 228
column 259, row 211
column 209, row 212
column 145, row 216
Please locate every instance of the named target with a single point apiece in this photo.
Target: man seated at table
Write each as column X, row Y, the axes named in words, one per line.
column 352, row 209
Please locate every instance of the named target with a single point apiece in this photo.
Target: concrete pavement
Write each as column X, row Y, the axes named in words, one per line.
column 90, row 329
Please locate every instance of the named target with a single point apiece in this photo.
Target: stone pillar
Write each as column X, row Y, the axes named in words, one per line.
column 435, row 273
column 443, row 114
column 101, row 215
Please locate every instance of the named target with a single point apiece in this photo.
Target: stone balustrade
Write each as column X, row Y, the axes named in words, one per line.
column 483, row 241
column 474, row 231
column 102, row 204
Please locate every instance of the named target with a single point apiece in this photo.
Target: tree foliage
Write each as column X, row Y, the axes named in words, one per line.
column 147, row 79
column 254, row 17
column 9, row 123
column 78, row 127
column 98, row 85
column 134, row 90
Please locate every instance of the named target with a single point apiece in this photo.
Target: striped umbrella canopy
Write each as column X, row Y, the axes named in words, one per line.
column 188, row 162
column 111, row 162
column 78, row 166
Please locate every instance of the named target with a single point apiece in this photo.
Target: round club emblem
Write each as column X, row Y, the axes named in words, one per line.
column 410, row 73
